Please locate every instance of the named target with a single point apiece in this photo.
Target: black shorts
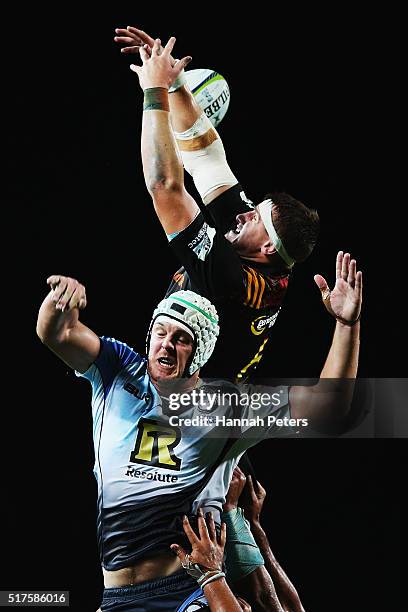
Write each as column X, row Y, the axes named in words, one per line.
column 176, row 593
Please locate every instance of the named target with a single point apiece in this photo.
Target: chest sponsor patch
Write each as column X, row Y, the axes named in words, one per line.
column 259, row 325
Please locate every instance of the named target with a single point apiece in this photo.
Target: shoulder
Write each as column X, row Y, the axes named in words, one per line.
column 115, row 353
column 263, row 287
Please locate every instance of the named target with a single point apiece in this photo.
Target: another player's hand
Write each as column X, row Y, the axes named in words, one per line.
column 67, row 293
column 207, row 550
column 235, row 489
column 157, row 69
column 244, row 604
column 252, row 499
column 136, row 38
column 344, row 301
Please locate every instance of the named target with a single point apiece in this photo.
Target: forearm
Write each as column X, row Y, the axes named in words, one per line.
column 65, row 335
column 259, row 590
column 342, row 360
column 200, row 146
column 220, row 597
column 287, row 593
column 184, row 110
column 53, row 325
column 245, row 565
column 162, row 166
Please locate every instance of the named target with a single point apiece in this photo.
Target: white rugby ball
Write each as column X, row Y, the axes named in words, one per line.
column 211, row 92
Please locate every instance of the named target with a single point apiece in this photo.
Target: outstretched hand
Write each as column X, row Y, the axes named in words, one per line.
column 207, row 550
column 135, row 38
column 235, row 489
column 158, row 68
column 67, row 293
column 344, row 301
column 252, row 499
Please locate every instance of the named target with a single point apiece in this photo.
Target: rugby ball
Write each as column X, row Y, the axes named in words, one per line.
column 211, row 92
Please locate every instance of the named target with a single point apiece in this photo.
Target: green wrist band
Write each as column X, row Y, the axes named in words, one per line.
column 156, row 98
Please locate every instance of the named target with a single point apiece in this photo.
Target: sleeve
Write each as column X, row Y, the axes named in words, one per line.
column 113, row 357
column 227, row 206
column 214, row 268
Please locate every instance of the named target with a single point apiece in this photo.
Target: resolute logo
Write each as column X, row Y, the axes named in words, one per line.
column 259, row 325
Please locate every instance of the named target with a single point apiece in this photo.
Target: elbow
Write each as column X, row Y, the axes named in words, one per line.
column 51, row 340
column 164, row 185
column 40, row 331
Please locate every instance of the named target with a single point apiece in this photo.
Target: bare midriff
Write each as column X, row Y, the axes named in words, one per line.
column 159, row 566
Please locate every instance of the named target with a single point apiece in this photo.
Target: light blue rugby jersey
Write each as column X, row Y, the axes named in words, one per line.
column 150, row 474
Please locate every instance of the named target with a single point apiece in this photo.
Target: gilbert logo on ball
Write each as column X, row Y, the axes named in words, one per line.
column 211, row 92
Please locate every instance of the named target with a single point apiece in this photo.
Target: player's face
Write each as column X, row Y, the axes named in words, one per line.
column 249, row 235
column 169, row 351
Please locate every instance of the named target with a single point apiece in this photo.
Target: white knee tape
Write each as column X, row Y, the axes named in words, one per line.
column 204, row 157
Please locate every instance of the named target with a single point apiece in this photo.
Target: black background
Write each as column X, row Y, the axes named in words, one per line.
column 298, row 120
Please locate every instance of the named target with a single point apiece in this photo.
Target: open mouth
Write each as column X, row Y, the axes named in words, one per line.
column 166, row 362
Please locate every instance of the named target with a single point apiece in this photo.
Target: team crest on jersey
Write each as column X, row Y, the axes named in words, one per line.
column 259, row 325
column 155, row 444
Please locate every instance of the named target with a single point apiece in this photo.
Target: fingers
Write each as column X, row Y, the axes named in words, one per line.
column 144, row 54
column 180, row 552
column 244, row 604
column 68, row 293
column 223, row 534
column 251, row 488
column 345, row 266
column 126, row 39
column 351, row 278
column 74, row 295
column 136, row 69
column 241, row 480
column 238, row 472
column 256, row 489
column 169, row 46
column 202, row 526
column 358, row 285
column 211, row 527
column 53, row 280
column 192, row 538
column 135, row 49
column 339, row 261
column 181, row 65
column 145, row 38
column 323, row 286
column 156, row 47
column 261, row 490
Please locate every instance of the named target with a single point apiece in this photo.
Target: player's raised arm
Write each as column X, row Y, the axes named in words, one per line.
column 162, row 166
column 58, row 325
column 252, row 503
column 199, row 143
column 329, row 398
column 246, row 564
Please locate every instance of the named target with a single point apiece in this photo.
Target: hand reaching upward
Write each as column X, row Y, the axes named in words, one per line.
column 344, row 301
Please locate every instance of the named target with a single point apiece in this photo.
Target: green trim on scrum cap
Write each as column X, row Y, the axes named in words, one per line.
column 177, row 299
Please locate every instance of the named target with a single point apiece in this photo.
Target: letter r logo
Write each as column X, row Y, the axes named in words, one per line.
column 154, row 445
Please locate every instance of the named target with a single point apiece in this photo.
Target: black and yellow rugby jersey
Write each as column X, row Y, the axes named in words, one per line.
column 247, row 295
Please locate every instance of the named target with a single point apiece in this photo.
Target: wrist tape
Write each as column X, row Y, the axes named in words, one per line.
column 242, row 553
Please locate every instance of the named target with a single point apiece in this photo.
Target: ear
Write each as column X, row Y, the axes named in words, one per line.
column 268, row 248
